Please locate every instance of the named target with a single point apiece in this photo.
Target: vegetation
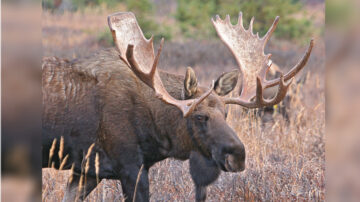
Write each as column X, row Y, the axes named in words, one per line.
column 143, row 10
column 105, row 38
column 194, row 16
column 74, row 5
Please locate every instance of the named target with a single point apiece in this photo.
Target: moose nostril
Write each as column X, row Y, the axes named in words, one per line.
column 228, row 164
column 233, row 163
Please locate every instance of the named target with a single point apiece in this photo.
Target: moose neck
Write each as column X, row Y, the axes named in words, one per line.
column 170, row 122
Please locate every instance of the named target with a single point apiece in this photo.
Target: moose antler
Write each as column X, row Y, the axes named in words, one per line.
column 138, row 53
column 248, row 50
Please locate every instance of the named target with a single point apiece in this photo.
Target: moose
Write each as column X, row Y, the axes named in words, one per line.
column 266, row 113
column 134, row 115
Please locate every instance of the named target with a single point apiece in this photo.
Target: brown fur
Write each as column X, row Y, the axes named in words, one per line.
column 99, row 100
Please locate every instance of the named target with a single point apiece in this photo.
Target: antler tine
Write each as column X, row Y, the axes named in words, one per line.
column 217, row 17
column 283, row 87
column 147, row 78
column 240, row 21
column 138, row 53
column 268, row 34
column 227, row 19
column 248, row 50
column 157, row 57
column 300, row 65
column 251, row 25
column 260, row 101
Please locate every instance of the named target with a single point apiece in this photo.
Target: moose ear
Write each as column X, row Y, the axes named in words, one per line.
column 226, row 82
column 190, row 83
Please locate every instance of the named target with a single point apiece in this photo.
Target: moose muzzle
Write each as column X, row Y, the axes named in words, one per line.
column 234, row 163
column 230, row 158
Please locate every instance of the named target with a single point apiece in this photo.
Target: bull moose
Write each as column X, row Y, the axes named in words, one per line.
column 135, row 115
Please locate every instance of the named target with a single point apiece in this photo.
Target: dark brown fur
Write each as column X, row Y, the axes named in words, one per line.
column 99, row 100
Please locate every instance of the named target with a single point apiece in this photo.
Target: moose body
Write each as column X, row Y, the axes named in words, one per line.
column 100, row 100
column 115, row 113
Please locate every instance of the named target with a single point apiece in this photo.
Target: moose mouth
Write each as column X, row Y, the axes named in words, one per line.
column 230, row 163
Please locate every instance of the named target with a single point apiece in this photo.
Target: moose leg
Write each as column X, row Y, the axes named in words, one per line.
column 72, row 192
column 203, row 171
column 200, row 193
column 128, row 177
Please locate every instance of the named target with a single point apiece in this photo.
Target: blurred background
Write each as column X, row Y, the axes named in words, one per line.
column 20, row 100
column 286, row 159
column 73, row 28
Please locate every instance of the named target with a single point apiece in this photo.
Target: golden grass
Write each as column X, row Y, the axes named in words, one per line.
column 61, row 149
column 137, row 182
column 52, row 151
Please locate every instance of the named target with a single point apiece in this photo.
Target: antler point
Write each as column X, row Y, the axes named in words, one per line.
column 227, row 19
column 312, row 41
column 217, row 17
column 251, row 25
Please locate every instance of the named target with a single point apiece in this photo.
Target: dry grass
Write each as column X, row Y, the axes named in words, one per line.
column 284, row 161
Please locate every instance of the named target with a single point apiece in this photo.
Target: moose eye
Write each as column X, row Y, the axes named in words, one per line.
column 201, row 118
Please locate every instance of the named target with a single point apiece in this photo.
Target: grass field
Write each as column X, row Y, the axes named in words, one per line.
column 285, row 161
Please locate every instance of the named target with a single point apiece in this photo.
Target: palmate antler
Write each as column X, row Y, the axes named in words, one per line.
column 138, row 53
column 248, row 50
